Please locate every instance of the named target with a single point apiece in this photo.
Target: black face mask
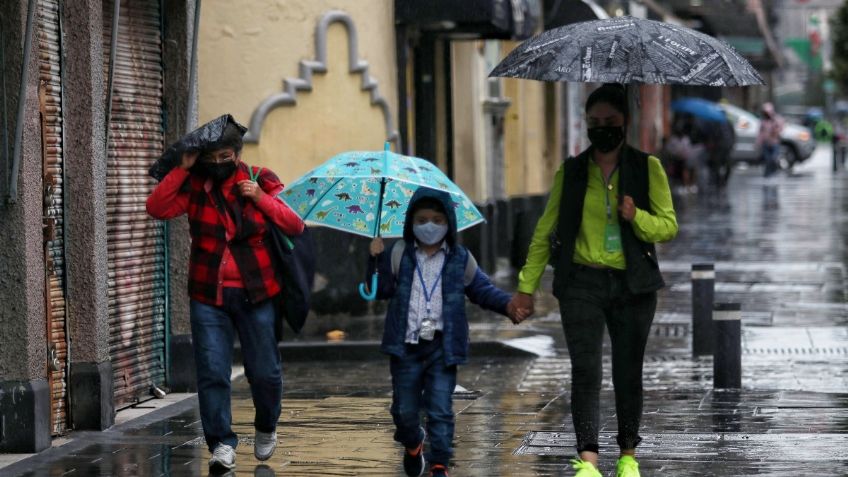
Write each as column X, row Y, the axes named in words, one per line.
column 216, row 172
column 606, row 138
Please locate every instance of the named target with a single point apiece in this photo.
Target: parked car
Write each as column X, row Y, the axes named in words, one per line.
column 796, row 141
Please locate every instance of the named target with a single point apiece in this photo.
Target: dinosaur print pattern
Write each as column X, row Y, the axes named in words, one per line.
column 345, row 193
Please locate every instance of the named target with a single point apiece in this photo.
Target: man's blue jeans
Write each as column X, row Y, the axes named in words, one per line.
column 421, row 380
column 212, row 330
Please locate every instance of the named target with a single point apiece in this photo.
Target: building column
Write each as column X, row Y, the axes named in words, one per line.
column 179, row 24
column 90, row 380
column 24, row 393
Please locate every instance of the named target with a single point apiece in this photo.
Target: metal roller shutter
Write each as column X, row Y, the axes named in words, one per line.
column 136, row 243
column 50, row 95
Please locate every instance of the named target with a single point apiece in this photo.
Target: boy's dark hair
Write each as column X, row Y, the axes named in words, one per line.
column 429, row 203
column 612, row 94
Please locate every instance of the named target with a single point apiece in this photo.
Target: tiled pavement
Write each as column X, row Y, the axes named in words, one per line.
column 779, row 249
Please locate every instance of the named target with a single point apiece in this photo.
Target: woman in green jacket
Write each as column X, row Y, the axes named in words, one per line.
column 606, row 209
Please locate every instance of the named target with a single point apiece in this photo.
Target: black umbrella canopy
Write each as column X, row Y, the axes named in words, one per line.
column 206, row 137
column 628, row 50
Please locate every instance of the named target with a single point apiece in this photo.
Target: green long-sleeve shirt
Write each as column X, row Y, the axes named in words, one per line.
column 659, row 225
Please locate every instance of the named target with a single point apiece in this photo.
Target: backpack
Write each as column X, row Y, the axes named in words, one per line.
column 294, row 261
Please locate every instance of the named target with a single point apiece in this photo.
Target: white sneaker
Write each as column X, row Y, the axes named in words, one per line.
column 223, row 457
column 264, row 444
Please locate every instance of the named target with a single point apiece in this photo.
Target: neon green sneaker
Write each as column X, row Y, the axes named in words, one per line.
column 627, row 467
column 585, row 469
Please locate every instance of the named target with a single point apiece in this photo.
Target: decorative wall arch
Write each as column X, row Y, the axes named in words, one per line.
column 288, row 97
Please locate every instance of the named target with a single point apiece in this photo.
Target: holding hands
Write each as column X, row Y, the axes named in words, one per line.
column 520, row 307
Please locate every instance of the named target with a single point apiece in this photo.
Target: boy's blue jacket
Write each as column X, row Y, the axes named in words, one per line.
column 398, row 288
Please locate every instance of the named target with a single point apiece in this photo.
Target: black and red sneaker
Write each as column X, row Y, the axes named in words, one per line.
column 438, row 470
column 413, row 459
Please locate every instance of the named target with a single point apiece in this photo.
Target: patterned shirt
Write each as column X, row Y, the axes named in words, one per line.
column 431, row 269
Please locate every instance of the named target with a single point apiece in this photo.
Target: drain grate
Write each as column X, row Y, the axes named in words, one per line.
column 790, row 446
column 677, row 330
column 833, row 351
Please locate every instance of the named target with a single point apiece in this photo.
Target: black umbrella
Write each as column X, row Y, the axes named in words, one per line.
column 204, row 138
column 628, row 50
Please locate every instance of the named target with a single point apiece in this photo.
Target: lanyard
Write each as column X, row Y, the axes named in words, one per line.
column 429, row 295
column 607, row 189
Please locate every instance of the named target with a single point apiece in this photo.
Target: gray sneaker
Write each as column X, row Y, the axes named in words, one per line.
column 264, row 444
column 223, row 458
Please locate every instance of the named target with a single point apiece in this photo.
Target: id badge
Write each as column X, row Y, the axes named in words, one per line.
column 612, row 238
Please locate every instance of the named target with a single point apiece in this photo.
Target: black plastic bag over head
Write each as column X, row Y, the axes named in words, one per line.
column 205, row 138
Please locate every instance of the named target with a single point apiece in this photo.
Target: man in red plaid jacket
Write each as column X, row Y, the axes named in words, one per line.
column 231, row 281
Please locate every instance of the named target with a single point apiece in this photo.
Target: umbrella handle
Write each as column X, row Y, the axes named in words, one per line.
column 364, row 294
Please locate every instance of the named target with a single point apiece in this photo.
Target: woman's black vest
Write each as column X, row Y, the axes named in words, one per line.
column 643, row 273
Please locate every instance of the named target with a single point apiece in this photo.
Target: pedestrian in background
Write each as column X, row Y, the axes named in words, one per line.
column 231, row 283
column 686, row 154
column 771, row 125
column 427, row 276
column 607, row 207
column 718, row 138
column 839, row 142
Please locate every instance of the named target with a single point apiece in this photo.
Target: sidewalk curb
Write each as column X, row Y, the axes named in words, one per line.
column 370, row 350
column 78, row 440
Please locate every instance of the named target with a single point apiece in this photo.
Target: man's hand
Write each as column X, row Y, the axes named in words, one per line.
column 251, row 189
column 520, row 307
column 627, row 209
column 188, row 159
column 376, row 247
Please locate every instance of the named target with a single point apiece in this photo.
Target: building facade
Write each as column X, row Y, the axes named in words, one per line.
column 85, row 274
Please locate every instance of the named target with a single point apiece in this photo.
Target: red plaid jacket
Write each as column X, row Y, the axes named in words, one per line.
column 209, row 234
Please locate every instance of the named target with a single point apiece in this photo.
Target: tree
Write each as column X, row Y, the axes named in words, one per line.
column 839, row 27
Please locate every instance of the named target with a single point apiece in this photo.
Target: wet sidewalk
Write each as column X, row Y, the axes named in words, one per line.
column 779, row 249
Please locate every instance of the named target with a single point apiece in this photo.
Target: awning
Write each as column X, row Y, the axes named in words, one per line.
column 564, row 12
column 491, row 19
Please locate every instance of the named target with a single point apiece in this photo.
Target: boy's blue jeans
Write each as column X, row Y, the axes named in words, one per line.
column 420, row 379
column 212, row 330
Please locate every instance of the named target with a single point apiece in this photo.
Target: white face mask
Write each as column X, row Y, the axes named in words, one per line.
column 429, row 233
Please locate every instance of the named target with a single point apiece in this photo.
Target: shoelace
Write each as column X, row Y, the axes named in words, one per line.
column 221, row 451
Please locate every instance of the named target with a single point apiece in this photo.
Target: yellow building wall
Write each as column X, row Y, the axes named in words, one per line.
column 247, row 50
column 531, row 143
column 469, row 147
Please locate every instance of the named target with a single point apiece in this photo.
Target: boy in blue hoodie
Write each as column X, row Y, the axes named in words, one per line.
column 427, row 276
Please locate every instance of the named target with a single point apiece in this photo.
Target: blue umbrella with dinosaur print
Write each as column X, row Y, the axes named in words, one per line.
column 367, row 192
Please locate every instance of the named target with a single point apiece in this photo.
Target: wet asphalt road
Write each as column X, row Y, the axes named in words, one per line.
column 779, row 249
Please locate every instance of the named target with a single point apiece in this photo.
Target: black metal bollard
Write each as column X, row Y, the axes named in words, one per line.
column 703, row 292
column 727, row 359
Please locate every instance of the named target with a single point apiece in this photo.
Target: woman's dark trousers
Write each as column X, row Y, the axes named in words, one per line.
column 591, row 300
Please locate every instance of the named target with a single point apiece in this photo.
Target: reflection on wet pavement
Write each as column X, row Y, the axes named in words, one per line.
column 778, row 248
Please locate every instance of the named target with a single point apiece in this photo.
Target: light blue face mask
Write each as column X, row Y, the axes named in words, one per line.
column 429, row 233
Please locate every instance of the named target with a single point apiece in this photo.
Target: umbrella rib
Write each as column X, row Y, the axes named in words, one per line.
column 646, row 57
column 322, row 197
column 727, row 63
